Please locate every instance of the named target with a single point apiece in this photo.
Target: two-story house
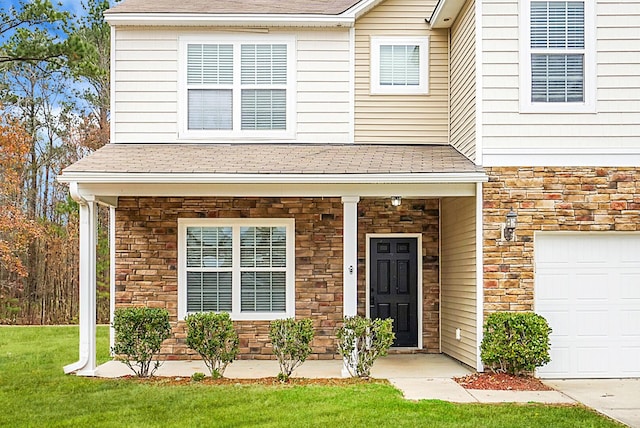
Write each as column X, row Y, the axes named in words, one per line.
column 329, row 158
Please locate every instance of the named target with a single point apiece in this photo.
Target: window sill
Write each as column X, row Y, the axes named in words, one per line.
column 557, row 108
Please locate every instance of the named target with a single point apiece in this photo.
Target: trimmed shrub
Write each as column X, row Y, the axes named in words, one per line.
column 212, row 336
column 515, row 343
column 198, row 377
column 139, row 333
column 362, row 340
column 291, row 343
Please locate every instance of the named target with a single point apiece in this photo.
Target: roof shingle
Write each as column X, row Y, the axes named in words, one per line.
column 274, row 159
column 314, row 7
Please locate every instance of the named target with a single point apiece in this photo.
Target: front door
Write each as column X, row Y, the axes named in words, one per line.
column 394, row 286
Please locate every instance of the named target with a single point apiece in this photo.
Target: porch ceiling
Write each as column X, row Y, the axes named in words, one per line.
column 274, row 169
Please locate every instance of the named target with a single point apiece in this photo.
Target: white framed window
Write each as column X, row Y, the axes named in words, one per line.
column 557, row 56
column 242, row 266
column 235, row 87
column 399, row 65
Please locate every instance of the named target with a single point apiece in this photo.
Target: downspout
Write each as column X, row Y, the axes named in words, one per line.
column 86, row 364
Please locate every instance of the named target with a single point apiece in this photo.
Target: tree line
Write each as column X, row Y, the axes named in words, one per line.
column 54, row 107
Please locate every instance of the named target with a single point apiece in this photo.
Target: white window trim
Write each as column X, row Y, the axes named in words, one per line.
column 236, row 134
column 235, row 224
column 376, row 88
column 590, row 66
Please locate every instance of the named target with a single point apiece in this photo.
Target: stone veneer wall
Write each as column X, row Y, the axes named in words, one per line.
column 547, row 199
column 146, row 259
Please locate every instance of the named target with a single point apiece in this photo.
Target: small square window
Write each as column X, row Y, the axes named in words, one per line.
column 399, row 65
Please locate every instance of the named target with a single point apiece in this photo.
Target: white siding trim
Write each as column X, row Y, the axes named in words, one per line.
column 479, row 275
column 418, row 236
column 562, row 157
column 112, row 87
column 479, row 158
column 590, row 74
column 352, row 84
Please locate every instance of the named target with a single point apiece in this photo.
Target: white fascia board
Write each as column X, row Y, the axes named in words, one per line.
column 230, row 20
column 445, row 13
column 296, row 190
column 187, row 178
column 361, row 8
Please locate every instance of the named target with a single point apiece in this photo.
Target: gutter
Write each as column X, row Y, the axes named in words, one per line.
column 206, row 178
column 83, row 358
column 231, row 20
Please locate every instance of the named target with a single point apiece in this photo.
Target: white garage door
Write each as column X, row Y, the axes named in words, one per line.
column 587, row 286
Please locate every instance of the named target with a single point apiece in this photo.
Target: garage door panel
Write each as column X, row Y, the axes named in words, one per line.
column 561, row 289
column 587, row 285
column 559, row 319
column 559, row 361
column 629, row 358
column 629, row 250
column 630, row 325
column 592, row 360
column 630, row 286
column 592, row 324
column 590, row 287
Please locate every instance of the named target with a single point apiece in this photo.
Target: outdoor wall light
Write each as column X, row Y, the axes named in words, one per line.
column 510, row 225
column 396, row 201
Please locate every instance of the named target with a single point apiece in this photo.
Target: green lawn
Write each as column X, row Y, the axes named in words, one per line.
column 35, row 392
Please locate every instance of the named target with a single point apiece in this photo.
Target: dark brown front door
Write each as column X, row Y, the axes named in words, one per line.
column 394, row 286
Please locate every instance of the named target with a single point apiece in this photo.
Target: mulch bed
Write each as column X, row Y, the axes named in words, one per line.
column 265, row 381
column 501, row 382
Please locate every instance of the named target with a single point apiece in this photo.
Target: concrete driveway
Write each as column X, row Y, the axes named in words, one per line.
column 617, row 398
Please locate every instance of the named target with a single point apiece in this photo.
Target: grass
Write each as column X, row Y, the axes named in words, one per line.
column 35, row 392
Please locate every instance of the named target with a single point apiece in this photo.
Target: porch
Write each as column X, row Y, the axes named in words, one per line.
column 390, row 367
column 331, row 203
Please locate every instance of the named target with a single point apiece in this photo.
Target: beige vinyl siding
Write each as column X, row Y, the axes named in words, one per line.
column 463, row 82
column 146, row 106
column 146, row 86
column 324, row 93
column 458, row 278
column 401, row 119
column 616, row 125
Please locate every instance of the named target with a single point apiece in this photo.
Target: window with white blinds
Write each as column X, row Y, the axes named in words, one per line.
column 399, row 65
column 557, row 51
column 238, row 88
column 558, row 55
column 244, row 268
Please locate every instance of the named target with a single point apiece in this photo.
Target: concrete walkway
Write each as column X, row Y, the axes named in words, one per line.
column 617, row 398
column 418, row 376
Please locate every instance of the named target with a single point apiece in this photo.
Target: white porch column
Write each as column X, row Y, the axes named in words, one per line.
column 350, row 262
column 86, row 365
column 350, row 255
column 112, row 274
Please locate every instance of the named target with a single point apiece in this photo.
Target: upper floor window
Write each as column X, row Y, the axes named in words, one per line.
column 238, row 89
column 558, row 64
column 244, row 267
column 399, row 65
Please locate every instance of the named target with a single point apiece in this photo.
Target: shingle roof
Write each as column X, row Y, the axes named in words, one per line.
column 321, row 7
column 274, row 159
